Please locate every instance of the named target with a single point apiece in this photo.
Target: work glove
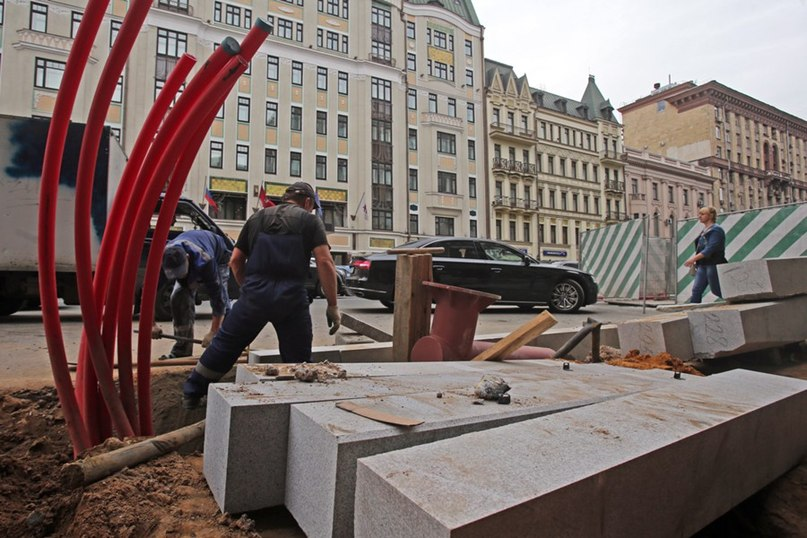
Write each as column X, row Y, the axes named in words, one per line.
column 156, row 332
column 334, row 318
column 206, row 339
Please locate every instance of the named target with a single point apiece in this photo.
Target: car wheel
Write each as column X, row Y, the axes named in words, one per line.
column 567, row 297
column 389, row 304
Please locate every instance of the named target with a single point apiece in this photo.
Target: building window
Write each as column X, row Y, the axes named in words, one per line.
column 447, row 182
column 413, row 179
column 216, row 154
column 499, row 229
column 412, row 99
column 322, row 122
column 472, row 232
column 322, row 167
column 469, row 47
column 452, row 107
column 231, row 206
column 471, row 150
column 297, row 73
column 241, row 157
column 433, row 103
column 411, row 62
column 341, row 126
column 48, row 74
column 686, row 196
column 410, row 30
column 272, row 67
column 342, row 85
column 444, row 226
column 243, row 109
column 413, row 139
column 270, row 161
column 469, row 78
column 341, row 170
column 295, row 164
column 284, row 29
column 296, row 118
column 39, row 17
column 75, row 20
column 655, row 191
column 413, row 224
column 381, row 131
column 446, row 143
column 512, row 227
column 471, row 114
column 670, row 195
column 471, row 187
column 117, row 96
column 322, row 78
column 114, row 28
column 271, row 114
column 381, row 90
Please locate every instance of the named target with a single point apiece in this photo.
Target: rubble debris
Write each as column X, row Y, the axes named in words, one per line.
column 491, row 387
column 320, row 372
column 635, row 359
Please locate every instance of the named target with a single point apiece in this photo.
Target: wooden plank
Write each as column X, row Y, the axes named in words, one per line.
column 518, row 338
column 412, row 303
column 378, row 415
column 365, row 329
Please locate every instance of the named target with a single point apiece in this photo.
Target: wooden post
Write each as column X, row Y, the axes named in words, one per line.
column 413, row 304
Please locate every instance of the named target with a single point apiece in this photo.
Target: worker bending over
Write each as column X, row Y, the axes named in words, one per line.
column 193, row 258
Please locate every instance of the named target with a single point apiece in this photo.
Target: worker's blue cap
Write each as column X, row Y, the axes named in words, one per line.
column 175, row 262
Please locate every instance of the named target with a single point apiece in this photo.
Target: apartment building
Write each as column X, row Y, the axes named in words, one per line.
column 664, row 189
column 755, row 153
column 373, row 103
column 555, row 164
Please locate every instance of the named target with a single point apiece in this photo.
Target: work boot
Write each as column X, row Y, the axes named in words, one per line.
column 190, row 401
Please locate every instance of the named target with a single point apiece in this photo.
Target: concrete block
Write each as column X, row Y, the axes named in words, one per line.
column 761, row 280
column 371, row 352
column 739, row 328
column 664, row 462
column 325, row 442
column 657, row 334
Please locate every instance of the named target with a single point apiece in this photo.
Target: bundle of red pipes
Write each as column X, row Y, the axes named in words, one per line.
column 162, row 154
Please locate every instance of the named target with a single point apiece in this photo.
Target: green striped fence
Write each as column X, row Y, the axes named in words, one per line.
column 613, row 255
column 774, row 232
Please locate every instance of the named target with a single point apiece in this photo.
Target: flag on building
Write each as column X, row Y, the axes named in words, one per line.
column 364, row 208
column 209, row 199
column 265, row 200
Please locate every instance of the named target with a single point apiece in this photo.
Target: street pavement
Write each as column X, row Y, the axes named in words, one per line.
column 24, row 356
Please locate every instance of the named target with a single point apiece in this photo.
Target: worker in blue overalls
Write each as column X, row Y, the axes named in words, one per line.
column 194, row 258
column 270, row 263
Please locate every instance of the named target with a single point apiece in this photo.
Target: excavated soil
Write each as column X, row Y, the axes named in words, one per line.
column 169, row 496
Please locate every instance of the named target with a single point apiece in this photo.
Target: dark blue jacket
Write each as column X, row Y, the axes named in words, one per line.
column 207, row 252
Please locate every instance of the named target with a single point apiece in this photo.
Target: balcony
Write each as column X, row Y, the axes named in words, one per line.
column 615, row 186
column 637, row 196
column 515, row 203
column 381, row 59
column 511, row 132
column 517, row 167
column 610, row 156
column 615, row 216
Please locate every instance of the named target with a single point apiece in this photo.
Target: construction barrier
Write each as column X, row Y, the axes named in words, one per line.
column 613, row 255
column 774, row 232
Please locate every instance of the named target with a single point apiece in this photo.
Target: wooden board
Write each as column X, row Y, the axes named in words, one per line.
column 518, row 338
column 413, row 304
column 379, row 416
column 365, row 329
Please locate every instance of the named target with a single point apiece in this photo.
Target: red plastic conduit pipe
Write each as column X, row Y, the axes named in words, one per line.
column 48, row 194
column 197, row 122
column 122, row 409
column 105, row 278
column 138, row 215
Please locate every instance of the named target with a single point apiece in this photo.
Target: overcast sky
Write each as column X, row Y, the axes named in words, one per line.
column 757, row 47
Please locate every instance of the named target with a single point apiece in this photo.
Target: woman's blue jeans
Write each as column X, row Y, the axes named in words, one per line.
column 705, row 274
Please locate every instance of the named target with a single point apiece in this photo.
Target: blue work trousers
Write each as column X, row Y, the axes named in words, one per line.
column 284, row 303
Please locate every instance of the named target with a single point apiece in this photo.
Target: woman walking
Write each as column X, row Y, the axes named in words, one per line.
column 710, row 251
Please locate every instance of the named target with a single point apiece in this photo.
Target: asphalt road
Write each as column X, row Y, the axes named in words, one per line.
column 24, row 358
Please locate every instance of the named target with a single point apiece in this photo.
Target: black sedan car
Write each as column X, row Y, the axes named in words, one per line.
column 484, row 265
